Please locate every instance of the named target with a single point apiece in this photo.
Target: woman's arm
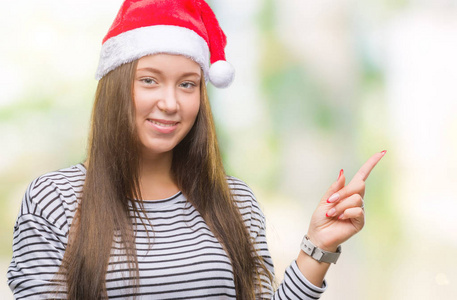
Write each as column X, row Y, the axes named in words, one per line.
column 304, row 278
column 37, row 255
column 294, row 285
column 39, row 241
column 338, row 217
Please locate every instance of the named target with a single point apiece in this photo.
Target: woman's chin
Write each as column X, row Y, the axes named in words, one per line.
column 157, row 151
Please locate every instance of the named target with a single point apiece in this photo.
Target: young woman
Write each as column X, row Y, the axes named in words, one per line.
column 151, row 213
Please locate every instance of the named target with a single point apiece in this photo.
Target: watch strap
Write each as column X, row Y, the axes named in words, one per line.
column 317, row 253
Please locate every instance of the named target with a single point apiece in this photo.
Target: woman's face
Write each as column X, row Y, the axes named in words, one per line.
column 166, row 93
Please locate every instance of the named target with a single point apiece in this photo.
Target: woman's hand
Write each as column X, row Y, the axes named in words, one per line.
column 340, row 213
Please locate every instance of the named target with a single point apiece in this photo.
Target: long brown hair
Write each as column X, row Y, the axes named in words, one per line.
column 112, row 179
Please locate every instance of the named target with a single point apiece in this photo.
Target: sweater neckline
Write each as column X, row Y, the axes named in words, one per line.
column 170, row 201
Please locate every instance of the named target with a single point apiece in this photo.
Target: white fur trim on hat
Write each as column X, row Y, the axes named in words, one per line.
column 134, row 44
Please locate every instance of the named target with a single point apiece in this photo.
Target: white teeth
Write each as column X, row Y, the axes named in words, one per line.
column 162, row 124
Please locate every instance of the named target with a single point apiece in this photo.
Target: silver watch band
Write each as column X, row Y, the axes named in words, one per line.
column 317, row 253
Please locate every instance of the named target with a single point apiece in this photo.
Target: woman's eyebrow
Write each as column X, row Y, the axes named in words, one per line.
column 191, row 74
column 153, row 70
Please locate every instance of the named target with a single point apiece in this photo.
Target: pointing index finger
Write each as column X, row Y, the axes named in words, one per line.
column 365, row 170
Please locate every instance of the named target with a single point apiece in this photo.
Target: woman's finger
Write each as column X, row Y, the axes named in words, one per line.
column 353, row 213
column 336, row 186
column 367, row 167
column 357, row 184
column 357, row 187
column 353, row 201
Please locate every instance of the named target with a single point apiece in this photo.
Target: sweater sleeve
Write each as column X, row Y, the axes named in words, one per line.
column 295, row 285
column 39, row 241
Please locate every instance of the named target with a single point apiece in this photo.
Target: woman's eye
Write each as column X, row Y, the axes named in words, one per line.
column 148, row 81
column 188, row 85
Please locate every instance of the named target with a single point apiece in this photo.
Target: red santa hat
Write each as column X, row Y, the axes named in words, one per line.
column 185, row 27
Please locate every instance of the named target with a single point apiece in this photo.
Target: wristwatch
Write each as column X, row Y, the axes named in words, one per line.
column 317, row 253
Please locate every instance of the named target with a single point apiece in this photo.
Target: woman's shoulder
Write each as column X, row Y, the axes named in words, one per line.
column 68, row 174
column 61, row 181
column 239, row 187
column 53, row 196
column 242, row 193
column 246, row 201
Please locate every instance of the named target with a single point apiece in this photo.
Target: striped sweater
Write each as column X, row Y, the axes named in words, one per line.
column 181, row 260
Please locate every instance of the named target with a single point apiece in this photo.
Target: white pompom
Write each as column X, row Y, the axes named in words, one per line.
column 221, row 74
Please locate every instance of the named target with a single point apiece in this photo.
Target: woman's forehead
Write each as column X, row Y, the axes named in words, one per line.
column 168, row 62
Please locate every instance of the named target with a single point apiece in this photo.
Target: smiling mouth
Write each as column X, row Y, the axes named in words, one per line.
column 163, row 123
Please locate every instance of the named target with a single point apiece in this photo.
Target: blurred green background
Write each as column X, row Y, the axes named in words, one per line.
column 320, row 86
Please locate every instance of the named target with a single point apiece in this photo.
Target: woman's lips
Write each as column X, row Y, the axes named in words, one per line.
column 163, row 126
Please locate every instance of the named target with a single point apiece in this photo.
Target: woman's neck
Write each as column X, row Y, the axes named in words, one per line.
column 156, row 179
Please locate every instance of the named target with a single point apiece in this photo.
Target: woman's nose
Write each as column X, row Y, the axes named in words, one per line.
column 168, row 102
